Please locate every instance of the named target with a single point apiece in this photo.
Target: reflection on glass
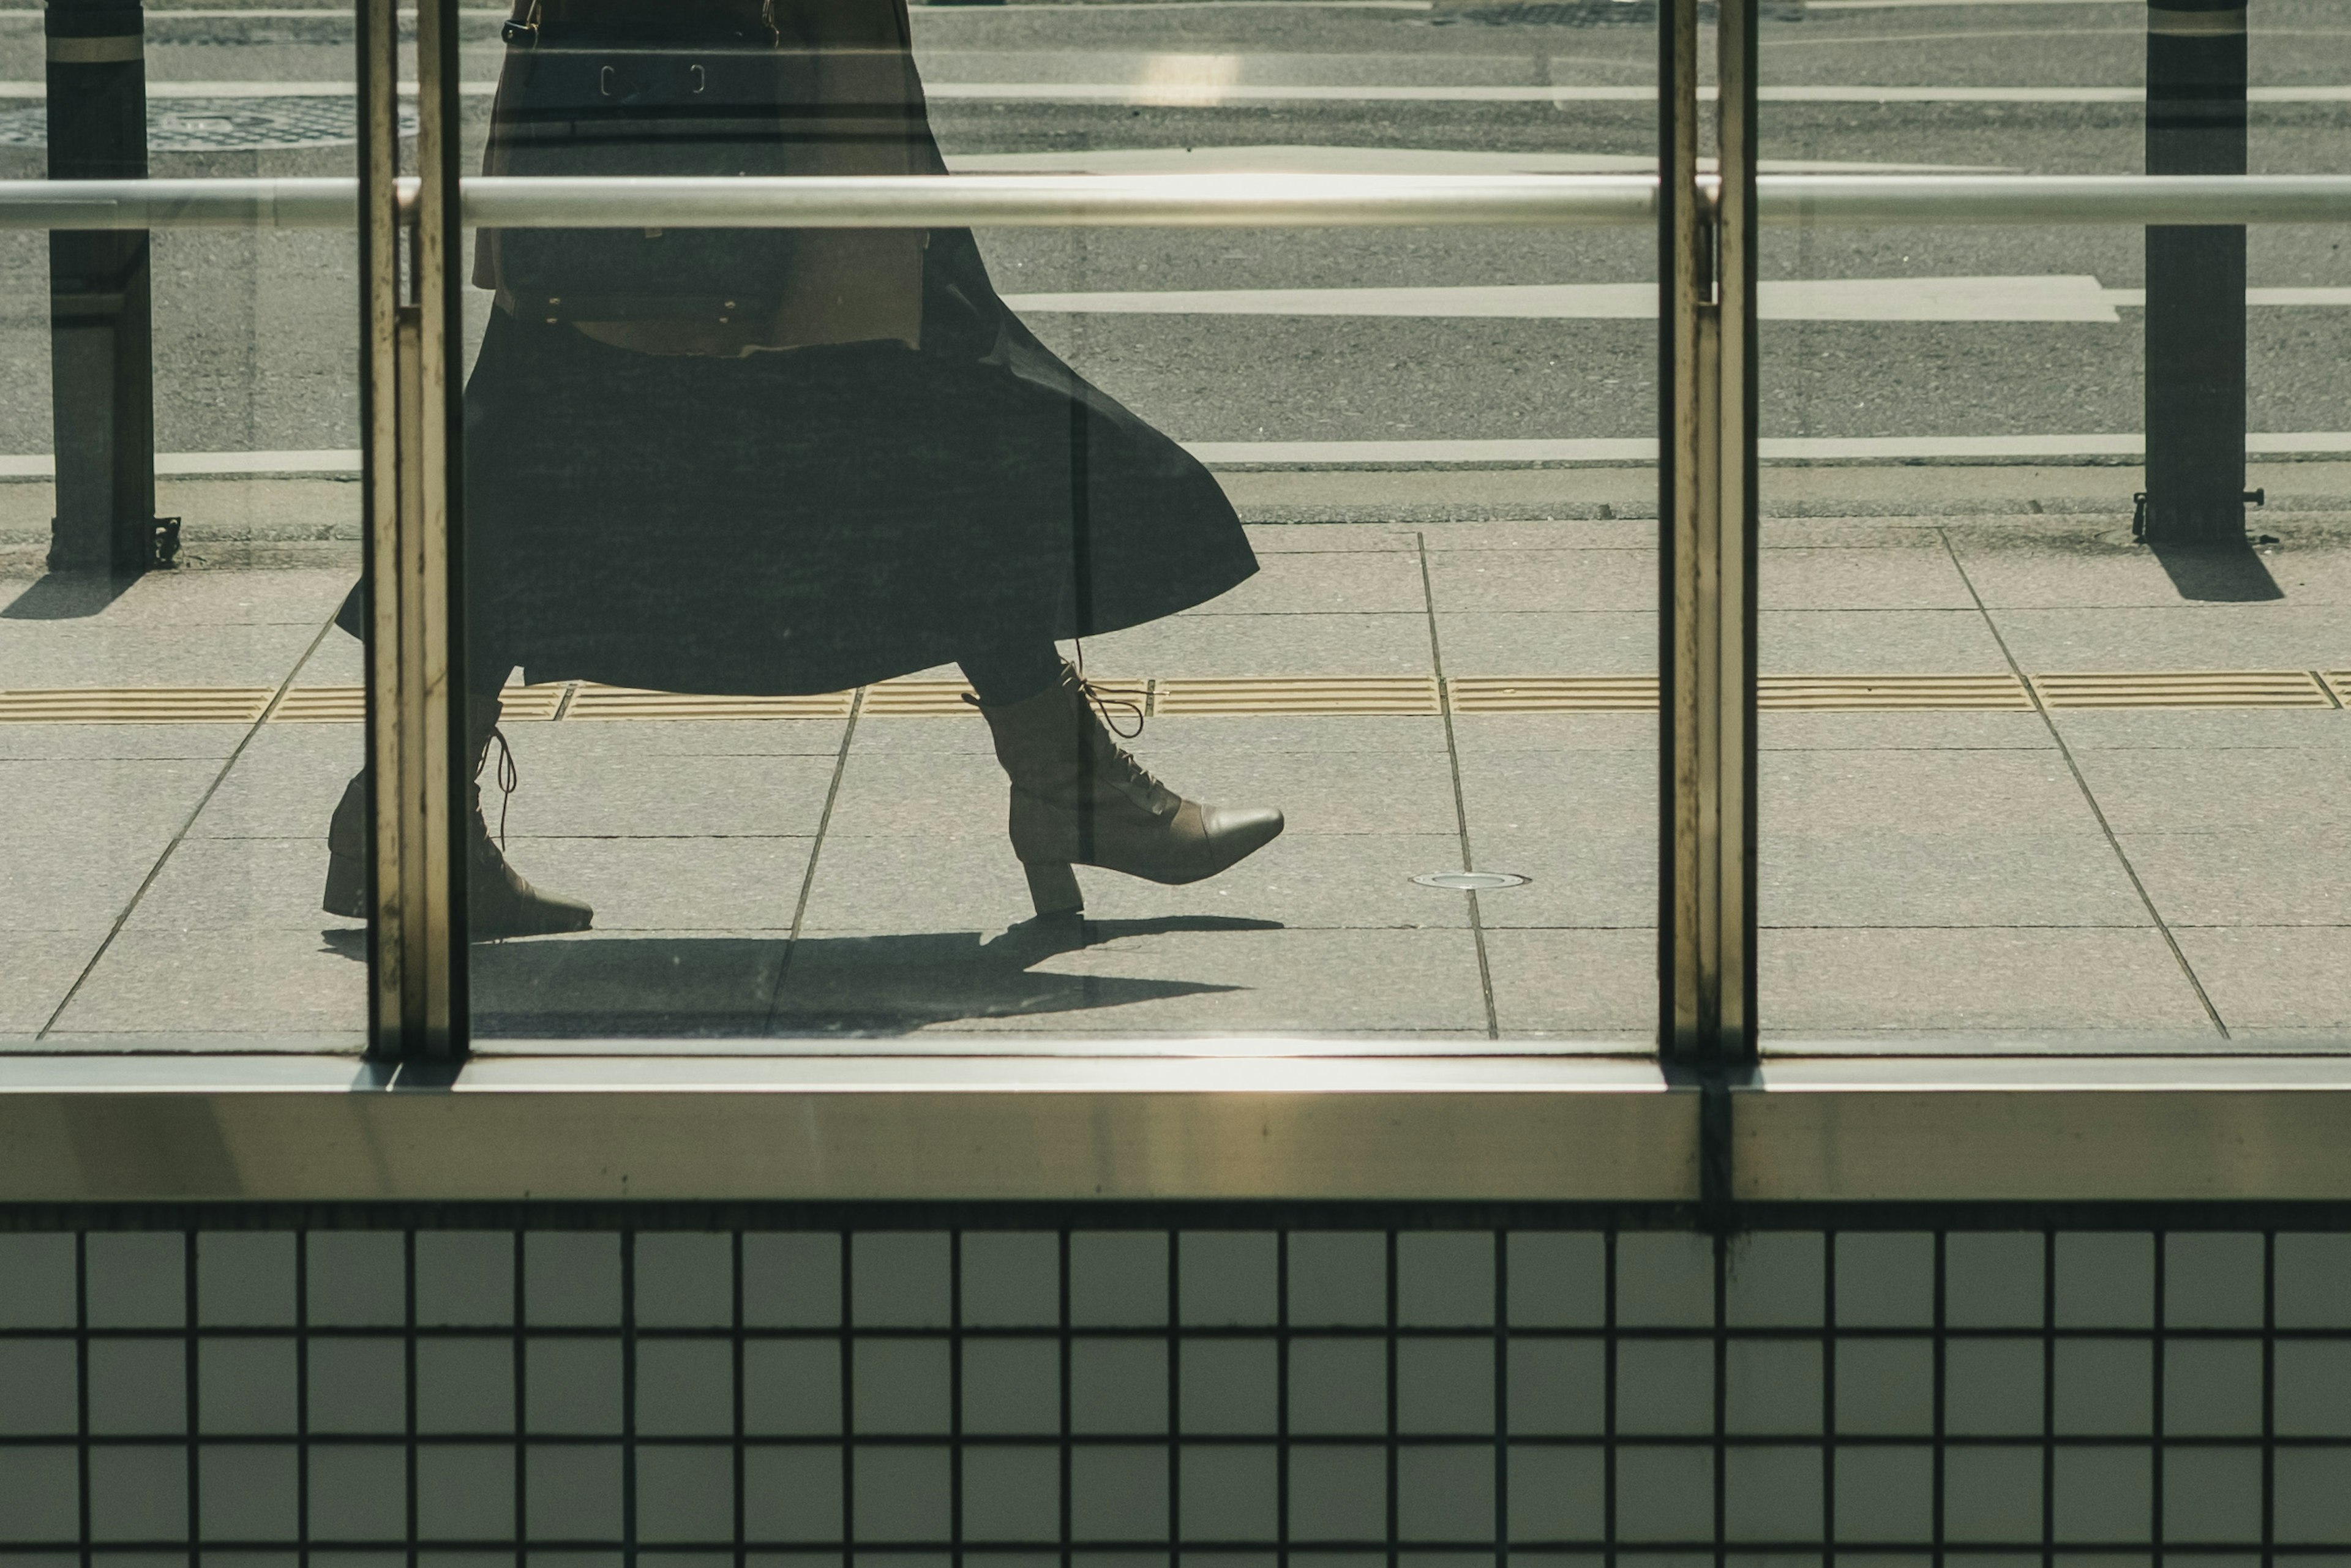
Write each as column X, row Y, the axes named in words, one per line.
column 749, row 512
column 2040, row 765
column 166, row 713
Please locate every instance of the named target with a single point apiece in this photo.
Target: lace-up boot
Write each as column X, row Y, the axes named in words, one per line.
column 1078, row 798
column 499, row 902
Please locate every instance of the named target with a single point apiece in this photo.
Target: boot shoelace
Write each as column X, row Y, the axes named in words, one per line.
column 1105, row 703
column 510, row 780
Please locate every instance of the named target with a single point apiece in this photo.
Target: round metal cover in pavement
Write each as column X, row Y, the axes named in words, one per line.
column 1473, row 881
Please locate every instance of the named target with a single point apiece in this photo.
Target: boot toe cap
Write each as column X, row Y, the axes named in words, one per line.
column 1240, row 830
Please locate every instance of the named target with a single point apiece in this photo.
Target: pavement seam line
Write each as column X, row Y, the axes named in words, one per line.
column 179, row 836
column 816, row 850
column 1460, row 801
column 2089, row 797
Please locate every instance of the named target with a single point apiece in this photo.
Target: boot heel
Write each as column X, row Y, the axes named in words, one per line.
column 1053, row 887
column 346, row 886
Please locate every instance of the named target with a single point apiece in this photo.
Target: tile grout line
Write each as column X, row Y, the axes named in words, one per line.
column 1460, row 801
column 181, row 834
column 816, row 850
column 2089, row 797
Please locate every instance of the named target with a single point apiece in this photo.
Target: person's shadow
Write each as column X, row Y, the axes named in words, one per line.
column 745, row 986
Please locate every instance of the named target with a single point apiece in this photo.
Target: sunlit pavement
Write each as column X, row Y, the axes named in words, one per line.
column 2015, row 867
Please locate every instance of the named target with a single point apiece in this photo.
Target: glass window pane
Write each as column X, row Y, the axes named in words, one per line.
column 174, row 741
column 1357, row 523
column 2034, row 766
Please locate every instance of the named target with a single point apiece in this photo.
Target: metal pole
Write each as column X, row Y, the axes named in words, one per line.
column 1707, row 538
column 2195, row 279
column 412, row 413
column 101, row 376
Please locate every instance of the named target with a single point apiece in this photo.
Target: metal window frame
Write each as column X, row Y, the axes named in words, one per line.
column 413, row 414
column 1762, row 1136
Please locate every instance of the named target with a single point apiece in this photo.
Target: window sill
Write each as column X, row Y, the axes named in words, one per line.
column 1276, row 1123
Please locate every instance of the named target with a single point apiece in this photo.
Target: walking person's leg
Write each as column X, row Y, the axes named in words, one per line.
column 499, row 901
column 1080, row 798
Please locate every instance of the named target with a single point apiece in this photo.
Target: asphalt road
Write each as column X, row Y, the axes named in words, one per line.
column 256, row 338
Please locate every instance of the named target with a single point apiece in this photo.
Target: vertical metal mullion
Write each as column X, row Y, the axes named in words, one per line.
column 439, row 442
column 1680, row 281
column 410, row 460
column 1730, row 714
column 1706, row 316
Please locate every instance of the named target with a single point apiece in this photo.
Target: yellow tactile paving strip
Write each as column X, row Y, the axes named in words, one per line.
column 1329, row 696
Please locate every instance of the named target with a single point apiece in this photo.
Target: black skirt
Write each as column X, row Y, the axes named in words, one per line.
column 819, row 519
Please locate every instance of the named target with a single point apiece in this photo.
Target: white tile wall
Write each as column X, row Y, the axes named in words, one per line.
column 990, row 1393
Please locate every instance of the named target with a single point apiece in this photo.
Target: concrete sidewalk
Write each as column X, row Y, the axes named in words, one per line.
column 2055, row 875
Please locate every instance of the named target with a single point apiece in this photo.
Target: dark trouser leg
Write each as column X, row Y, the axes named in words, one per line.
column 1012, row 671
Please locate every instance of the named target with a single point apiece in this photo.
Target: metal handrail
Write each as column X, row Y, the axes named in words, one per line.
column 1189, row 201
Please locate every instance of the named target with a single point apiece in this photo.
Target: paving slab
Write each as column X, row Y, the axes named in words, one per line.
column 1354, row 581
column 2101, row 573
column 592, row 743
column 2282, row 978
column 1169, row 738
column 959, row 877
column 1226, row 646
column 213, row 885
column 1949, row 879
column 48, row 655
column 1244, row 979
column 228, row 981
column 655, row 797
column 1468, row 582
column 37, row 968
column 1022, row 978
column 2268, row 875
column 1549, row 642
column 2145, row 789
column 1877, row 978
column 738, row 883
column 1494, row 732
column 1877, row 642
column 1887, row 578
column 1787, row 730
column 1540, row 534
column 284, row 783
column 1281, row 538
column 637, row 983
column 2203, row 729
column 2280, row 635
column 98, row 802
column 1566, row 793
column 1579, row 878
column 77, row 883
column 1980, row 792
column 120, row 742
column 1598, row 986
